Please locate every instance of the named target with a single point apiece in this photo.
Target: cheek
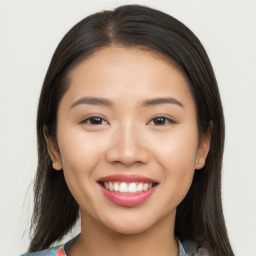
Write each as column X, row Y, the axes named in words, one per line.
column 80, row 154
column 177, row 159
column 78, row 149
column 178, row 147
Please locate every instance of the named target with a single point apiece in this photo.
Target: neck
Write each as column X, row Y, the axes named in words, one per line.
column 98, row 240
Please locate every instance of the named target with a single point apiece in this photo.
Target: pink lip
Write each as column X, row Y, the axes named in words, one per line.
column 127, row 199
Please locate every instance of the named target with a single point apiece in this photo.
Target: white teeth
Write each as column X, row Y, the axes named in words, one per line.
column 132, row 188
column 140, row 187
column 116, row 187
column 145, row 186
column 110, row 186
column 106, row 185
column 124, row 187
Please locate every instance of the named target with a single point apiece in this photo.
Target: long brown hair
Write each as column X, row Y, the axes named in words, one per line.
column 199, row 216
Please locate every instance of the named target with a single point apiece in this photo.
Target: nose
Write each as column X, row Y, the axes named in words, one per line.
column 128, row 147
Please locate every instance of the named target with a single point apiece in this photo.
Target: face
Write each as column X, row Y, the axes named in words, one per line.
column 128, row 138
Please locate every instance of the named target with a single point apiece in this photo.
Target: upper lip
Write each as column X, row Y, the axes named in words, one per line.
column 127, row 178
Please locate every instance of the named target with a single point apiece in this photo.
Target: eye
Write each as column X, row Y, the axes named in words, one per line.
column 95, row 120
column 161, row 121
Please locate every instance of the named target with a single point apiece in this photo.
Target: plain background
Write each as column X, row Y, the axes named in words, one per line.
column 30, row 32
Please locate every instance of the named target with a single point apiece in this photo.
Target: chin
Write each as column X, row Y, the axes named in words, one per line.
column 132, row 225
column 128, row 229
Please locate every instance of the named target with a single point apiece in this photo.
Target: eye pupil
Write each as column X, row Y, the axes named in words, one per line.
column 159, row 121
column 96, row 120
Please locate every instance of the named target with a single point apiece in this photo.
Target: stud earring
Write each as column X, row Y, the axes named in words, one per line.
column 56, row 166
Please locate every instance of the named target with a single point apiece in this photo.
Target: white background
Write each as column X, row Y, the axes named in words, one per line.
column 30, row 31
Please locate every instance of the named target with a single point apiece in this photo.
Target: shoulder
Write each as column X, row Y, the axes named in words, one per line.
column 55, row 251
column 202, row 252
column 60, row 250
column 190, row 248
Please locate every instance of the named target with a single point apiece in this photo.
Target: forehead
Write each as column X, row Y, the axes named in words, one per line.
column 120, row 73
column 122, row 54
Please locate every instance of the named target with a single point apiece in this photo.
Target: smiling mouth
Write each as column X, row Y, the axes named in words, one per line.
column 127, row 187
column 127, row 190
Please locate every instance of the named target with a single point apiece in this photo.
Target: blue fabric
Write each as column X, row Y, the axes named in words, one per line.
column 187, row 248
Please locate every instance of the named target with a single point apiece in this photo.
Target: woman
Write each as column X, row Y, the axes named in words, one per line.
column 130, row 134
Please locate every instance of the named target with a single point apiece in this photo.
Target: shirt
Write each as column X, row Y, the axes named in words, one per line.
column 187, row 248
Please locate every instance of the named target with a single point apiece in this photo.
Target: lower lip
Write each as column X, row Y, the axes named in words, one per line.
column 128, row 199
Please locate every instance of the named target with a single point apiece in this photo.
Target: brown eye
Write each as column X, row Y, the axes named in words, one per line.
column 95, row 120
column 161, row 121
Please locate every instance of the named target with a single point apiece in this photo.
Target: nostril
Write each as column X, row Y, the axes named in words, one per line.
column 127, row 151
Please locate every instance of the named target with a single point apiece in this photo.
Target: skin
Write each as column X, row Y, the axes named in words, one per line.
column 128, row 139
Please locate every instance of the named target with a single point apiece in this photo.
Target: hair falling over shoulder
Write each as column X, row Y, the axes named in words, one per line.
column 199, row 217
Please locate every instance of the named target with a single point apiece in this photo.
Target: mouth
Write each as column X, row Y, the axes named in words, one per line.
column 127, row 187
column 127, row 190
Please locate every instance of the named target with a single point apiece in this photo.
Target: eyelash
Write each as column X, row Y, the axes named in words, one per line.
column 166, row 120
column 86, row 121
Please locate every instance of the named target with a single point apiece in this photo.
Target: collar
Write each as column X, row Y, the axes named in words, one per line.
column 187, row 248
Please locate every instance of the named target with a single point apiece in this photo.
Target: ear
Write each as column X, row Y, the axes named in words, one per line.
column 53, row 150
column 203, row 148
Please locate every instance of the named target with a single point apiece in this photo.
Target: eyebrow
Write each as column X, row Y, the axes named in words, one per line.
column 92, row 101
column 106, row 102
column 157, row 101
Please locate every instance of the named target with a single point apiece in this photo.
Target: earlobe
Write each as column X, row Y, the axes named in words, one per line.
column 52, row 150
column 203, row 149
